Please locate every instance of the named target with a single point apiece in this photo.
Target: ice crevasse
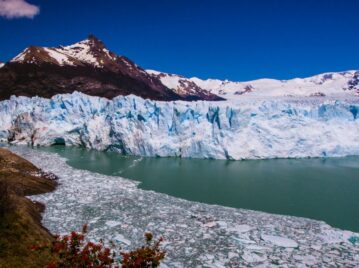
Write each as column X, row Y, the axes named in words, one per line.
column 249, row 128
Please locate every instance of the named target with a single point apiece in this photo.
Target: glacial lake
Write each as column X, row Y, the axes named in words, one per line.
column 319, row 188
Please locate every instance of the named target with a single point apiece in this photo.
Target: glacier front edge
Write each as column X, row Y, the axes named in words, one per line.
column 246, row 129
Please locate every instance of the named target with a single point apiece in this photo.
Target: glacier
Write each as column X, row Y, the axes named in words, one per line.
column 249, row 128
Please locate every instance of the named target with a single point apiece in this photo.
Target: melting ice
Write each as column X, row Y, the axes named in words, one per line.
column 195, row 234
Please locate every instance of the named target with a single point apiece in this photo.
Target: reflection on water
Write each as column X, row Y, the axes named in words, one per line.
column 324, row 189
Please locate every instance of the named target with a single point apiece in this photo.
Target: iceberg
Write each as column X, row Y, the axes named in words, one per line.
column 249, row 128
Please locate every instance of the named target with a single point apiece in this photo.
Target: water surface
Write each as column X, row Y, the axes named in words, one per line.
column 322, row 188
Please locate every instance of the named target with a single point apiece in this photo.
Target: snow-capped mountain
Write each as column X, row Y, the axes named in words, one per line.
column 87, row 66
column 327, row 84
column 183, row 86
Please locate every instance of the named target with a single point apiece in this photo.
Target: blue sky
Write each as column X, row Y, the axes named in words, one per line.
column 235, row 40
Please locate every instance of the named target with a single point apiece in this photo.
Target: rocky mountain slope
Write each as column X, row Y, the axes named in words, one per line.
column 87, row 66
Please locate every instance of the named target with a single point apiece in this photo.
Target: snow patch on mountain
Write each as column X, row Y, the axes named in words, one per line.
column 241, row 129
column 78, row 53
column 20, row 57
column 61, row 58
column 81, row 51
column 183, row 86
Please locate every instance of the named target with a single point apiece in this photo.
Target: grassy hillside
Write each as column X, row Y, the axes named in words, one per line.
column 20, row 226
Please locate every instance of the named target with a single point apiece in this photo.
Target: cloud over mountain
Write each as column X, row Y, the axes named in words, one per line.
column 17, row 9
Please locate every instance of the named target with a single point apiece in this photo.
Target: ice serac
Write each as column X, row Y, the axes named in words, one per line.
column 247, row 129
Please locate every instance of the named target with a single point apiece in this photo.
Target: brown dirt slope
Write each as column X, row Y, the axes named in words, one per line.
column 20, row 219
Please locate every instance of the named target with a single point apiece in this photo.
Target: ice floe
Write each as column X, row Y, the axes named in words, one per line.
column 196, row 234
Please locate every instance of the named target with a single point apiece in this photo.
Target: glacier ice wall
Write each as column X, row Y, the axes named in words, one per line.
column 246, row 129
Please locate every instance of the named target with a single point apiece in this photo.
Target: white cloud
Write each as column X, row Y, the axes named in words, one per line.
column 17, row 9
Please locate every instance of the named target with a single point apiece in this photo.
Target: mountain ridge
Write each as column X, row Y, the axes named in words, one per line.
column 89, row 67
column 86, row 66
column 326, row 84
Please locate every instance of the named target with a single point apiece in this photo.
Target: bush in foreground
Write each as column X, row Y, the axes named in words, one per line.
column 71, row 251
column 149, row 255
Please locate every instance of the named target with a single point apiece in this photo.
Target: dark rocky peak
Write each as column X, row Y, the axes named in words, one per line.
column 90, row 51
column 94, row 42
column 34, row 55
column 354, row 82
column 328, row 76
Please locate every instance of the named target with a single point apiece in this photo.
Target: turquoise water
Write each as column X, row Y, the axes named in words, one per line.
column 323, row 188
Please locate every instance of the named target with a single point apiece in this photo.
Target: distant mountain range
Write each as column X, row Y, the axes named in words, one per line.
column 327, row 84
column 89, row 67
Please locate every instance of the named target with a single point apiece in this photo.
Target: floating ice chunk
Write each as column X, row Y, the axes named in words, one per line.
column 241, row 228
column 232, row 255
column 256, row 248
column 253, row 257
column 112, row 223
column 316, row 247
column 218, row 264
column 330, row 236
column 243, row 241
column 280, row 241
column 222, row 224
column 209, row 256
column 210, row 224
column 94, row 220
column 121, row 239
column 308, row 259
